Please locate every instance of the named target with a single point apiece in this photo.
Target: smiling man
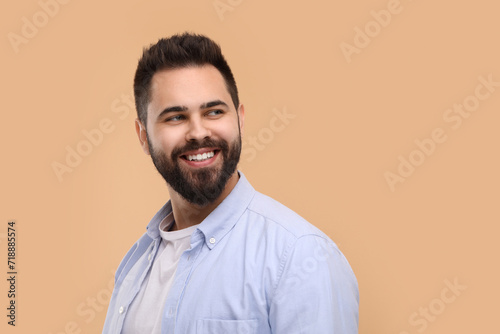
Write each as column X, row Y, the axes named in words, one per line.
column 218, row 257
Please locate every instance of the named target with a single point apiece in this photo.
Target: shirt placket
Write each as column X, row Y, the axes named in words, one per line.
column 126, row 300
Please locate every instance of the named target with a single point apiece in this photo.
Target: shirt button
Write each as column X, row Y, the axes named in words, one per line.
column 121, row 310
column 149, row 257
column 171, row 312
column 212, row 241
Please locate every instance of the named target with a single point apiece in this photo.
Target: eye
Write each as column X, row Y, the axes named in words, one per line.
column 215, row 112
column 175, row 118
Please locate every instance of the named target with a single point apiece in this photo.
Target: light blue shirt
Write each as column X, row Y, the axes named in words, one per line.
column 254, row 267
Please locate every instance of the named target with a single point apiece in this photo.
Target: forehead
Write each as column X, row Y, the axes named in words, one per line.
column 188, row 86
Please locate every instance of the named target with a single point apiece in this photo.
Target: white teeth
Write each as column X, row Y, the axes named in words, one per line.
column 201, row 157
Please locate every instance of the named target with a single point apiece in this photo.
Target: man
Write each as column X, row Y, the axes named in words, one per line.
column 219, row 257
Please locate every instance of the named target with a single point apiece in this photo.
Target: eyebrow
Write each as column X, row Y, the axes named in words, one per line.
column 171, row 109
column 213, row 104
column 184, row 108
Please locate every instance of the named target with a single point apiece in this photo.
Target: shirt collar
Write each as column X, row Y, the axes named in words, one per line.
column 221, row 220
column 153, row 228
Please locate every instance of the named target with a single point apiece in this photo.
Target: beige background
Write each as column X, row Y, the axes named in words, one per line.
column 353, row 117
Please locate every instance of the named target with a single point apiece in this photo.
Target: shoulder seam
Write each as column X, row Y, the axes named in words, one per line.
column 285, row 256
column 284, row 226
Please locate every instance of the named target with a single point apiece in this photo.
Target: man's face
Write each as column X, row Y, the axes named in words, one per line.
column 193, row 131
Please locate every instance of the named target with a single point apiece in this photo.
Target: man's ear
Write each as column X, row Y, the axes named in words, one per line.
column 142, row 134
column 241, row 116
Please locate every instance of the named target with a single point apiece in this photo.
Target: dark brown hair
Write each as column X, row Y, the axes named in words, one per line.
column 178, row 51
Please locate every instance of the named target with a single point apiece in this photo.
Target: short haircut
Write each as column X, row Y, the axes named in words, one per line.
column 178, row 51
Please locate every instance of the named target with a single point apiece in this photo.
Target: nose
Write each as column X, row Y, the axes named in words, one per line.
column 197, row 130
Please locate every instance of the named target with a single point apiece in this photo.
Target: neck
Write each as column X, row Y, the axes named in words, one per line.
column 187, row 214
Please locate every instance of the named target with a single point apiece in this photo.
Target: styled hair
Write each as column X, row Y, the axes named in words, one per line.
column 178, row 51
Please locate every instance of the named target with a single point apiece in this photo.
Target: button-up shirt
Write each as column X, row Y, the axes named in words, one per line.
column 254, row 267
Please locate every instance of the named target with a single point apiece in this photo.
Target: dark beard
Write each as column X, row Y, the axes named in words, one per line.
column 205, row 185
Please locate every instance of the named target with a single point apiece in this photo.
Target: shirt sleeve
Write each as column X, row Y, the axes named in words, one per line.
column 317, row 292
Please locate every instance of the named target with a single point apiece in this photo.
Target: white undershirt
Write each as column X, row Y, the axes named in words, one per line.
column 145, row 311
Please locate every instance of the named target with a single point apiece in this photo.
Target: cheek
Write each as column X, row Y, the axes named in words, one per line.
column 168, row 140
column 227, row 130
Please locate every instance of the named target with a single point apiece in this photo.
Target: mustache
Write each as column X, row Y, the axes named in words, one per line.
column 196, row 145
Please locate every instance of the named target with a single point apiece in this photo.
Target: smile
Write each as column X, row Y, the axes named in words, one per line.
column 200, row 157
